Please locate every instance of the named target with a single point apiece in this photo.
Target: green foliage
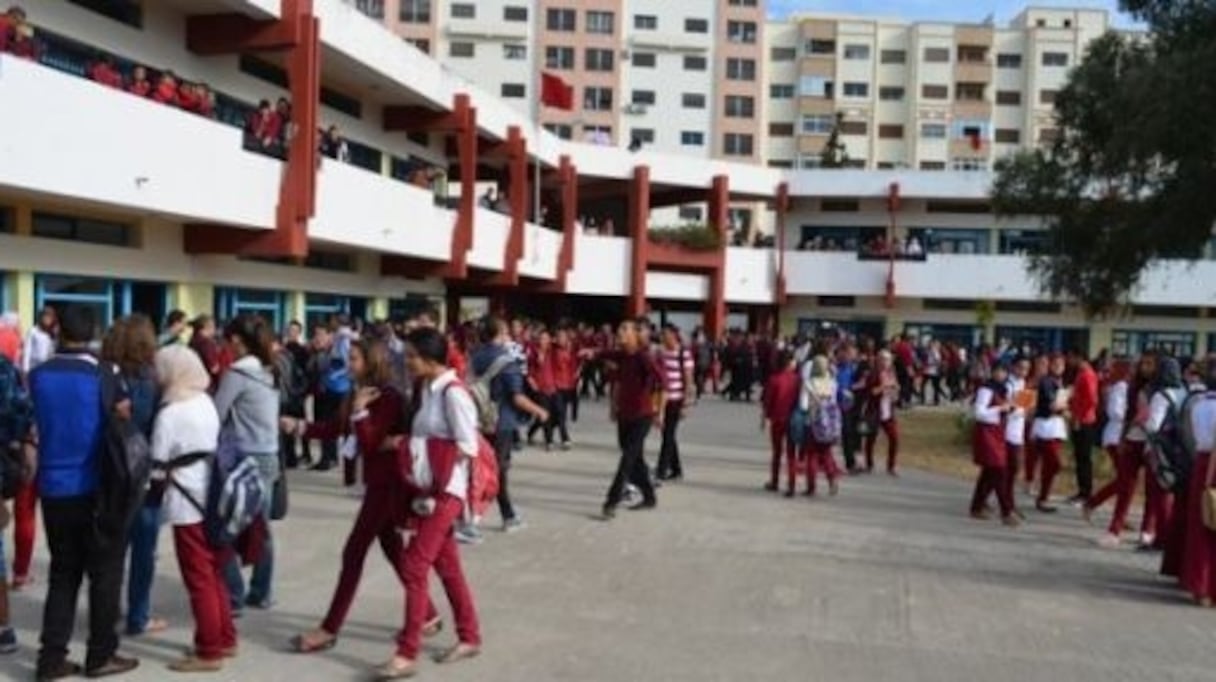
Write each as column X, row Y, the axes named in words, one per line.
column 1131, row 177
column 694, row 237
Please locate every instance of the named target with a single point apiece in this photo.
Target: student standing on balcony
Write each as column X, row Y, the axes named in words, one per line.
column 140, row 86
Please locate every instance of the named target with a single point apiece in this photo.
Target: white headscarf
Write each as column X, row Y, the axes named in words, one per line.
column 181, row 374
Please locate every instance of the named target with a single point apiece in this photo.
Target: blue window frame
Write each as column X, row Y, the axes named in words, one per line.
column 319, row 308
column 815, row 327
column 5, row 304
column 1053, row 339
column 1132, row 342
column 268, row 303
column 965, row 335
column 107, row 298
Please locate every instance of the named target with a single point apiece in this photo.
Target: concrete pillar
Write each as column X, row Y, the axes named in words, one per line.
column 195, row 298
column 639, row 233
column 295, row 306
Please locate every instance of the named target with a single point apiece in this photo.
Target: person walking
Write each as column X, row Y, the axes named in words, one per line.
column 818, row 401
column 333, row 384
column 638, row 402
column 1197, row 574
column 777, row 405
column 16, row 419
column 542, row 379
column 882, row 395
column 1050, row 430
column 568, row 362
column 1015, row 429
column 988, row 450
column 1083, row 412
column 1127, row 455
column 677, row 365
column 850, row 379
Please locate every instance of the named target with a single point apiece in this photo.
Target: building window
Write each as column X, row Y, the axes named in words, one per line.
column 643, row 97
column 694, row 63
column 464, row 10
column 1055, row 59
column 839, row 205
column 893, row 57
column 128, row 12
column 696, row 26
column 643, row 135
column 781, row 163
column 1047, row 96
column 1009, row 98
column 781, row 91
column 601, row 22
column 7, row 224
column 858, row 52
column 737, row 144
column 815, row 86
column 891, row 93
column 783, row 54
column 598, row 60
column 643, row 60
column 415, row 11
column 781, row 130
column 935, row 91
column 891, row 132
column 597, row 99
column 933, row 165
column 968, row 164
column 513, row 90
column 738, row 106
column 1130, row 343
column 821, row 47
column 937, row 55
column 741, row 32
column 853, row 128
column 692, row 138
column 972, row 54
column 1048, row 135
column 71, row 228
column 693, row 100
column 1008, row 136
column 691, row 213
column 1022, row 242
column 423, row 45
column 816, row 124
column 856, row 89
column 514, row 13
column 461, row 49
column 742, row 3
column 933, row 131
column 565, row 20
column 561, row 130
column 645, row 22
column 513, row 53
column 1008, row 61
column 598, row 134
column 741, row 69
column 559, row 58
column 969, row 92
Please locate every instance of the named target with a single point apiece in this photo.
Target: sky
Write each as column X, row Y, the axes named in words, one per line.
column 942, row 10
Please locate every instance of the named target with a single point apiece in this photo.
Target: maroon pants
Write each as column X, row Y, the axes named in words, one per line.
column 779, row 440
column 1032, row 462
column 1013, row 454
column 202, row 569
column 1129, row 460
column 1198, row 574
column 25, row 528
column 819, row 457
column 992, row 480
column 891, row 429
column 433, row 546
column 1049, row 457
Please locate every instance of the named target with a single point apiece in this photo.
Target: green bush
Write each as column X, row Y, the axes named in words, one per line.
column 692, row 237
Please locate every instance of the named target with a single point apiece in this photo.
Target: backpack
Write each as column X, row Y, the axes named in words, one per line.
column 825, row 419
column 335, row 375
column 16, row 415
column 483, row 471
column 125, row 462
column 480, row 390
column 1169, row 458
column 236, row 494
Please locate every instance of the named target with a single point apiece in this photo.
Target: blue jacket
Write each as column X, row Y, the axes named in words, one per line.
column 503, row 389
column 67, row 406
column 335, row 376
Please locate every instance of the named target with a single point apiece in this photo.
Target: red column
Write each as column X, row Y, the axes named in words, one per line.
column 719, row 219
column 780, row 296
column 569, row 217
column 466, row 151
column 639, row 226
column 518, row 190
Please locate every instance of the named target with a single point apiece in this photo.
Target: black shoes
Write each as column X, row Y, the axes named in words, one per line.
column 117, row 665
column 644, row 505
column 58, row 671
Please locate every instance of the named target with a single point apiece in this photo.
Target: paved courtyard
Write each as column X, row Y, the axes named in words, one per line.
column 888, row 582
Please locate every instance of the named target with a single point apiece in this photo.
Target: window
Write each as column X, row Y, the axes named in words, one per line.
column 691, row 213
column 559, row 57
column 643, row 135
column 817, row 124
column 464, row 10
column 1047, row 96
column 891, row 132
column 741, row 69
column 853, row 128
column 743, row 3
column 780, row 163
column 933, row 131
column 934, row 91
column 783, row 54
column 415, row 11
column 598, row 134
column 645, row 22
column 561, row 20
column 856, row 90
column 694, row 63
column 737, row 144
column 933, row 165
column 692, row 138
column 461, row 49
column 894, row 57
column 972, row 54
column 693, row 100
column 598, row 60
column 71, row 228
column 1055, row 59
column 968, row 164
column 1009, row 98
column 1008, row 60
column 643, row 60
column 815, row 86
column 128, row 12
column 514, row 52
column 1022, row 242
column 601, row 22
column 642, row 97
column 561, row 130
column 597, row 99
column 890, row 93
column 858, row 52
column 514, row 13
column 964, row 207
column 781, row 130
column 696, row 26
column 822, row 47
column 969, row 92
column 970, row 129
column 513, row 90
column 738, row 106
column 372, row 8
column 1008, row 136
column 1048, row 135
column 937, row 55
column 7, row 223
column 741, row 32
column 781, row 91
column 1130, row 343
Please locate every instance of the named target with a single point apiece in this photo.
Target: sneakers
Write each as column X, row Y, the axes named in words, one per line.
column 117, row 665
column 567, row 445
column 8, row 640
column 513, row 525
column 1109, row 541
column 468, row 535
column 57, row 671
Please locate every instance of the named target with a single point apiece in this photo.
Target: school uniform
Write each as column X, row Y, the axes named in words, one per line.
column 1049, row 433
column 1015, row 437
column 780, row 397
column 817, row 453
column 882, row 405
column 1198, row 558
column 988, row 449
column 1126, row 453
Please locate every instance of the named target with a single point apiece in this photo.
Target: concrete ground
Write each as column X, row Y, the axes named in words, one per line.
column 890, row 581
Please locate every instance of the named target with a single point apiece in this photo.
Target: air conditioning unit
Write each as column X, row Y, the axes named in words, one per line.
column 635, row 108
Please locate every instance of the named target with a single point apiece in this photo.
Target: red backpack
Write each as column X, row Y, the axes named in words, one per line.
column 483, row 472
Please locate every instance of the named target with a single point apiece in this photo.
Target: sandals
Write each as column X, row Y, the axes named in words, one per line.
column 460, row 652
column 303, row 644
column 397, row 669
column 432, row 627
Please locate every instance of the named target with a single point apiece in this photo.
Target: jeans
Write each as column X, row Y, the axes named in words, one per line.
column 631, row 436
column 569, row 401
column 669, row 452
column 326, row 408
column 552, row 403
column 263, row 571
column 77, row 551
column 141, row 568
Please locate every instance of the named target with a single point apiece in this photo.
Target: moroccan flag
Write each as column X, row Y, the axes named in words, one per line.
column 556, row 93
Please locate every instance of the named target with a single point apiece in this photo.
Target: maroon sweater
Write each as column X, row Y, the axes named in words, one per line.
column 385, row 418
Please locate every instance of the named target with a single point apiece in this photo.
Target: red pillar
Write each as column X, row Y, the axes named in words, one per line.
column 719, row 219
column 569, row 218
column 639, row 226
column 466, row 151
column 780, row 294
column 519, row 188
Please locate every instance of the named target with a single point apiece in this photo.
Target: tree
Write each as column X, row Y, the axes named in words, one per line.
column 834, row 154
column 1130, row 177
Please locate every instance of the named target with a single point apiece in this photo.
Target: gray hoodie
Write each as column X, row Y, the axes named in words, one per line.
column 247, row 398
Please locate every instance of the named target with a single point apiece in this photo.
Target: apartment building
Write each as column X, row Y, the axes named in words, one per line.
column 930, row 96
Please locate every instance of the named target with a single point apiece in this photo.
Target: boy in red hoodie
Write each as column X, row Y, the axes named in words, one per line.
column 780, row 398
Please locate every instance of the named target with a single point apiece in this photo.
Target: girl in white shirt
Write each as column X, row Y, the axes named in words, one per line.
column 1124, row 445
column 184, row 439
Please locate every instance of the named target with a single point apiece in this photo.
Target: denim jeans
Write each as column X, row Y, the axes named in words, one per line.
column 142, row 568
column 263, row 570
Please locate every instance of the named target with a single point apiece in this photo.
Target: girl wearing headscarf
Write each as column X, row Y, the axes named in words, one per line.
column 1169, row 394
column 1050, row 429
column 818, row 394
column 186, row 432
column 1126, row 407
column 1198, row 556
column 882, row 393
column 988, row 449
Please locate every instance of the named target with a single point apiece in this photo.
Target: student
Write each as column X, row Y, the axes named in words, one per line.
column 1198, row 563
column 40, row 341
column 1123, row 439
column 991, row 409
column 16, row 417
column 1083, row 414
column 1050, row 430
column 175, row 326
column 638, row 403
column 202, row 342
column 1015, row 429
column 882, row 394
column 781, row 395
column 567, row 365
column 140, row 85
column 1030, row 472
column 818, row 400
column 542, row 379
column 677, row 365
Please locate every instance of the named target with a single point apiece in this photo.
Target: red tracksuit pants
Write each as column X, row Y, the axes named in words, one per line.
column 434, row 546
column 202, row 569
column 1049, row 458
column 819, row 458
column 1129, row 460
column 25, row 529
column 891, row 430
column 993, row 480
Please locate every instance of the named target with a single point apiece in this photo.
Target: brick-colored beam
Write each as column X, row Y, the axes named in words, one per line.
column 639, row 227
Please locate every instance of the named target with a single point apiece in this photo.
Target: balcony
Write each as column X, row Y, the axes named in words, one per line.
column 972, row 109
column 961, row 148
column 671, row 42
column 489, row 30
column 542, row 249
column 490, row 232
column 975, row 71
column 601, row 266
column 751, row 275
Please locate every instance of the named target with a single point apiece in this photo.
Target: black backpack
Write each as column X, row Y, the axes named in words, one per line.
column 125, row 463
column 1169, row 458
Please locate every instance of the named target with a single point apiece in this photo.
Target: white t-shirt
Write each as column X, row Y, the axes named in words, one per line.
column 1116, row 414
column 1015, row 422
column 180, row 429
column 456, row 420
